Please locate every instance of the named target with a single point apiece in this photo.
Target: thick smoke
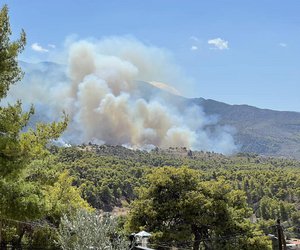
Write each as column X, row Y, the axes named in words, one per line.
column 101, row 98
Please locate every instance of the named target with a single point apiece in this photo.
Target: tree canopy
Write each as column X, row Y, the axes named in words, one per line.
column 23, row 196
column 174, row 205
column 16, row 146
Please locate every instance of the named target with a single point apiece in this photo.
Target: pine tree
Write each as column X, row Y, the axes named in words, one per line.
column 177, row 207
column 17, row 148
column 18, row 145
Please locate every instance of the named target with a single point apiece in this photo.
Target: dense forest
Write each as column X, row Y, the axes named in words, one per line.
column 113, row 176
column 245, row 194
column 92, row 196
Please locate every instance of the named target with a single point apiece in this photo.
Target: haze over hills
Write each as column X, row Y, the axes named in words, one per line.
column 260, row 131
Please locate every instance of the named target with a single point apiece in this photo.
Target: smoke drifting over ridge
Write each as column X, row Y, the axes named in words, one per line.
column 100, row 97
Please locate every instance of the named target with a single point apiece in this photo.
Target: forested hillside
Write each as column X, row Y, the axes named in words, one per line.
column 116, row 179
column 109, row 177
column 119, row 170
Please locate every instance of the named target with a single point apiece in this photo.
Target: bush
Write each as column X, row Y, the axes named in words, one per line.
column 90, row 231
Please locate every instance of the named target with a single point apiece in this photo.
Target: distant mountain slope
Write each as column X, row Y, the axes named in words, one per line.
column 260, row 131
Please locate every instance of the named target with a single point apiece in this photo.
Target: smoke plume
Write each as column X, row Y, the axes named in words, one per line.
column 100, row 90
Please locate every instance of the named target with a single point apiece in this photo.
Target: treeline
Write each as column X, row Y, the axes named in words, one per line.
column 108, row 176
column 114, row 176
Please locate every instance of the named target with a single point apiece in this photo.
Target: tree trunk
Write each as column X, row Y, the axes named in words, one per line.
column 197, row 239
column 0, row 232
column 2, row 241
column 207, row 241
column 18, row 242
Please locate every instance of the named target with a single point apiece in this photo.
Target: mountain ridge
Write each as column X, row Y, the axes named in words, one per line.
column 261, row 131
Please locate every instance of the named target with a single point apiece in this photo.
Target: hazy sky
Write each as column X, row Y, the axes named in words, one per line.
column 239, row 52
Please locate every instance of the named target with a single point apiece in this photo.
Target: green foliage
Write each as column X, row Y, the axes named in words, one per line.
column 63, row 198
column 40, row 197
column 42, row 236
column 109, row 175
column 21, row 200
column 175, row 204
column 18, row 148
column 105, row 181
column 86, row 231
column 25, row 195
column 10, row 73
column 12, row 118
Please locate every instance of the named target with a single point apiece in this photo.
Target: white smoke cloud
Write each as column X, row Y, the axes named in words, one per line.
column 101, row 99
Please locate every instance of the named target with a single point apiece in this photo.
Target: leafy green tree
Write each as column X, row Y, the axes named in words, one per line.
column 175, row 205
column 63, row 198
column 40, row 196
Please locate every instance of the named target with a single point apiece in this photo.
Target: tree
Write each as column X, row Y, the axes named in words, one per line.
column 40, row 196
column 63, row 198
column 10, row 73
column 175, row 205
column 19, row 145
column 18, row 148
column 90, row 231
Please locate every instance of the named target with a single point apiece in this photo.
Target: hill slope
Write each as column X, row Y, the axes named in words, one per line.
column 261, row 131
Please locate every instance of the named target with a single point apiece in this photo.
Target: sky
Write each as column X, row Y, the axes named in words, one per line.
column 238, row 52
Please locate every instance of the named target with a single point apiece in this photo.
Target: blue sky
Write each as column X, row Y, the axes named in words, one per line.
column 238, row 52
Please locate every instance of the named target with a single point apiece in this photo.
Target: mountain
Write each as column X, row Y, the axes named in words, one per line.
column 259, row 131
